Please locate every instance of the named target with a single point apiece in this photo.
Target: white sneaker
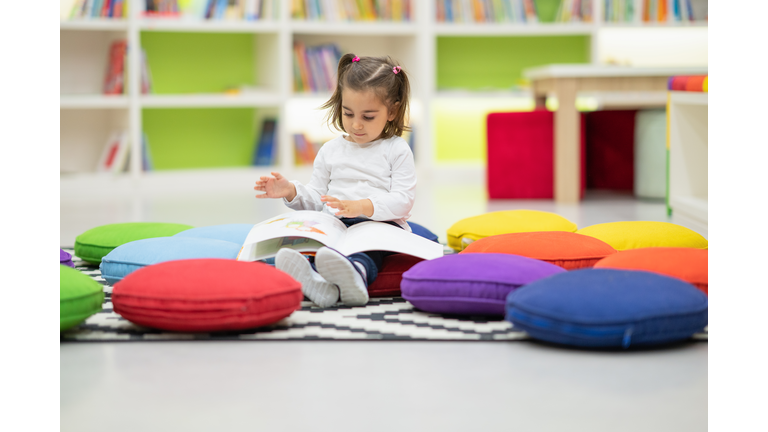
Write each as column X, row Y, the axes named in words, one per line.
column 313, row 285
column 338, row 269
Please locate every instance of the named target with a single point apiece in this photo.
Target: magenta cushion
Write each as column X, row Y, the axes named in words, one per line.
column 471, row 284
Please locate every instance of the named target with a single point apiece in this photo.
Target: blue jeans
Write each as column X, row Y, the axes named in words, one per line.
column 371, row 260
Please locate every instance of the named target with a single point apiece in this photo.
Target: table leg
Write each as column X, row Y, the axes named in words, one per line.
column 567, row 144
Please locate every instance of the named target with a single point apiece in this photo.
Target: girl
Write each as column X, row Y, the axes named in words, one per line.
column 366, row 174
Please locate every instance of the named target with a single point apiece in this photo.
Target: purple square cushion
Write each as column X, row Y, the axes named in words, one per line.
column 471, row 284
column 65, row 258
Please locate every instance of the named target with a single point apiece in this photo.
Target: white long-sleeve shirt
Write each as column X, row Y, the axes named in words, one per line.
column 381, row 171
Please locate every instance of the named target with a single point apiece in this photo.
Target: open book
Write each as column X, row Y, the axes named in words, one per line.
column 308, row 231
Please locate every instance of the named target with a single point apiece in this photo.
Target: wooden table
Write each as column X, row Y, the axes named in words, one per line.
column 564, row 82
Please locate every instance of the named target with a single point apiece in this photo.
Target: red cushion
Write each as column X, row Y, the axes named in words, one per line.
column 688, row 264
column 565, row 249
column 203, row 295
column 520, row 154
column 387, row 284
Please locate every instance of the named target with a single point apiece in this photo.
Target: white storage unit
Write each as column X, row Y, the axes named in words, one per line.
column 687, row 196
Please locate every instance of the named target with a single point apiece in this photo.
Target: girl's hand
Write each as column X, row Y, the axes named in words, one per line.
column 349, row 208
column 275, row 187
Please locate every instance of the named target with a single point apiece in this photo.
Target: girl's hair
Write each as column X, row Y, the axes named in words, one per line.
column 384, row 77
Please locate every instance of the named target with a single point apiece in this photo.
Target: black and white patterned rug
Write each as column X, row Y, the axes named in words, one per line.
column 381, row 319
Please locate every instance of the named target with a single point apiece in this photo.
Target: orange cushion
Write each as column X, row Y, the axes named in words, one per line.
column 565, row 249
column 688, row 264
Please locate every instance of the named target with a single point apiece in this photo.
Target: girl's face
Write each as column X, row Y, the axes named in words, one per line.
column 363, row 115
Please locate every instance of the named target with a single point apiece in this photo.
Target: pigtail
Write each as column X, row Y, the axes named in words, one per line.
column 333, row 105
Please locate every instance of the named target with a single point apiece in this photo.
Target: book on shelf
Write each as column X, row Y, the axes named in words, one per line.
column 266, row 147
column 656, row 11
column 115, row 80
column 82, row 9
column 228, row 10
column 574, row 11
column 146, row 156
column 351, row 10
column 486, row 11
column 307, row 231
column 314, row 68
column 114, row 156
column 305, row 150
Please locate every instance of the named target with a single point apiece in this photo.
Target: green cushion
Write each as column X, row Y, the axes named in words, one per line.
column 80, row 297
column 95, row 243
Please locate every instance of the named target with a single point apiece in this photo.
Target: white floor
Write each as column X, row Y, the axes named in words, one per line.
column 287, row 386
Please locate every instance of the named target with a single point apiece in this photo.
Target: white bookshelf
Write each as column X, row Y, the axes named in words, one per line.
column 687, row 120
column 84, row 54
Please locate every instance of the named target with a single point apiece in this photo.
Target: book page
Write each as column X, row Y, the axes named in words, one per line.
column 370, row 236
column 304, row 231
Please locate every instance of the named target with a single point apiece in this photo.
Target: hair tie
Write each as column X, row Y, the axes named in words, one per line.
column 396, row 69
column 356, row 59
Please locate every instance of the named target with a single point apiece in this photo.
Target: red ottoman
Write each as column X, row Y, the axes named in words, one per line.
column 387, row 284
column 521, row 156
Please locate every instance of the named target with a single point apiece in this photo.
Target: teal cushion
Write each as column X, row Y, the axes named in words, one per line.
column 79, row 297
column 95, row 243
column 126, row 259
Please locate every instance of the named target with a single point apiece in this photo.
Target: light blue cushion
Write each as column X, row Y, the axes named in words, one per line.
column 127, row 258
column 235, row 233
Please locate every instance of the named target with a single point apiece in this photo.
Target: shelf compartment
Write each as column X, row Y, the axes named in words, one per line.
column 84, row 133
column 491, row 63
column 210, row 63
column 192, row 138
column 95, row 101
column 83, row 60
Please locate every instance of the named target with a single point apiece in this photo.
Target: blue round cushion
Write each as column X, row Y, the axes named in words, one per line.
column 235, row 233
column 129, row 257
column 423, row 232
column 608, row 308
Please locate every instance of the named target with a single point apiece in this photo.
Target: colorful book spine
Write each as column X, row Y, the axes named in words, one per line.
column 500, row 11
column 82, row 9
column 314, row 68
column 265, row 150
column 351, row 10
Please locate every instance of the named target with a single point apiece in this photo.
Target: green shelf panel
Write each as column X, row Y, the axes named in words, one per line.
column 199, row 62
column 200, row 138
column 497, row 62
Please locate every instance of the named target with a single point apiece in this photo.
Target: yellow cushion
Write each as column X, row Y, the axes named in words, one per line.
column 643, row 234
column 474, row 228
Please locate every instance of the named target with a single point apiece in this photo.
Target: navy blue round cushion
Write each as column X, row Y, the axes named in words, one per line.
column 608, row 308
column 235, row 233
column 423, row 232
column 129, row 257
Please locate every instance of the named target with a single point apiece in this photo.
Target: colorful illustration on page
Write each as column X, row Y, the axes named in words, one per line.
column 304, row 226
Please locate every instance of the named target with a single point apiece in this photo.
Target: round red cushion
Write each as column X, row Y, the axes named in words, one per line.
column 387, row 284
column 565, row 249
column 688, row 264
column 203, row 295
